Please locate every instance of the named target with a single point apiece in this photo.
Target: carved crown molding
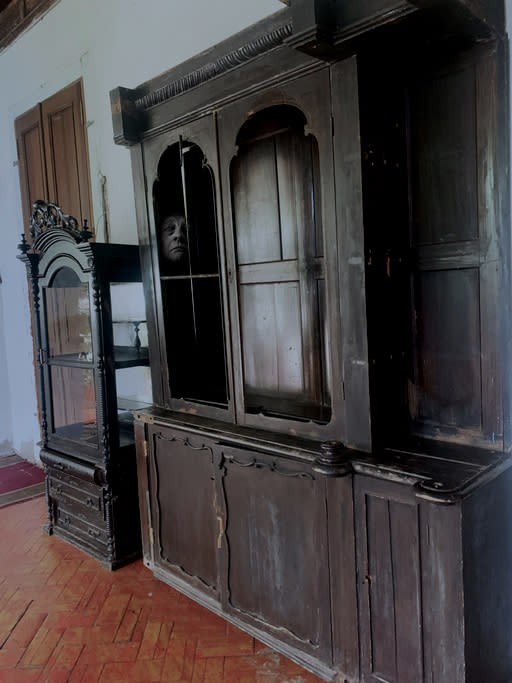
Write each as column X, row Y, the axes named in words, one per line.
column 47, row 223
column 220, row 66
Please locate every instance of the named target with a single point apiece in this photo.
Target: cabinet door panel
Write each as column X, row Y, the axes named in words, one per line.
column 277, row 535
column 29, row 140
column 448, row 352
column 183, row 496
column 390, row 572
column 185, row 299
column 455, row 389
column 275, row 255
column 445, row 173
column 67, row 163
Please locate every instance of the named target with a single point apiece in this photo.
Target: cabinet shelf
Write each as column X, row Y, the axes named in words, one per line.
column 130, row 357
column 189, row 276
column 71, row 360
column 124, row 357
column 131, row 403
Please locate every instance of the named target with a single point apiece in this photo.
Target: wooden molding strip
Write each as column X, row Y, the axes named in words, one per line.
column 17, row 16
column 253, row 49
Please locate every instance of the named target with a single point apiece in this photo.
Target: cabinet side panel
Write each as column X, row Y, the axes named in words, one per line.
column 487, row 542
column 443, row 597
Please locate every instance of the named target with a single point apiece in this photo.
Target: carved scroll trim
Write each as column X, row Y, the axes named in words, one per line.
column 237, row 57
column 272, row 466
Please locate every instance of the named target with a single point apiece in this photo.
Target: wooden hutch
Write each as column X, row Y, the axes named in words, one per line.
column 322, row 204
column 92, row 369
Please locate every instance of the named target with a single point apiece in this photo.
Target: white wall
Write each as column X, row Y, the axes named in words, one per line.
column 107, row 43
column 5, row 413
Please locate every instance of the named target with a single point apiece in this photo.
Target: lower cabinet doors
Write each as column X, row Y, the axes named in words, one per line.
column 183, row 502
column 411, row 586
column 245, row 529
column 389, row 562
column 277, row 544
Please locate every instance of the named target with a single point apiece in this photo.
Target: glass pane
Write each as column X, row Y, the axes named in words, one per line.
column 185, row 216
column 133, row 387
column 128, row 305
column 68, row 317
column 74, row 404
column 195, row 339
column 129, row 321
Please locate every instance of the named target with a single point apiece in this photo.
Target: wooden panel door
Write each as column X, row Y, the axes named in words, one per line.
column 276, row 158
column 182, row 490
column 53, row 161
column 276, row 538
column 66, row 155
column 31, row 161
column 455, row 388
column 389, row 568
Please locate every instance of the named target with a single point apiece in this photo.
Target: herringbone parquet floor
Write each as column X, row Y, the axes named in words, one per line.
column 65, row 618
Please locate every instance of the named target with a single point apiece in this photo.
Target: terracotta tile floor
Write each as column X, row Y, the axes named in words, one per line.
column 65, row 618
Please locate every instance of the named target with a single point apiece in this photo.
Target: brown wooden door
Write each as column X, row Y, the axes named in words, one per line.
column 52, row 154
column 53, row 161
column 432, row 241
column 67, row 164
column 31, row 159
column 455, row 387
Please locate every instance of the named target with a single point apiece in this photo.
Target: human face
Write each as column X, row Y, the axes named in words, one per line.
column 174, row 238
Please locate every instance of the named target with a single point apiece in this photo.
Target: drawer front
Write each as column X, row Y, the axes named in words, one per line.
column 83, row 498
column 65, row 518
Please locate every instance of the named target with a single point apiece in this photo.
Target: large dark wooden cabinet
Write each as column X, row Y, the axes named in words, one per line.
column 93, row 368
column 322, row 206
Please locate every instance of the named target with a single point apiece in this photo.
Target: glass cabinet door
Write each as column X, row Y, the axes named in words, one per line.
column 74, row 404
column 68, row 319
column 71, row 387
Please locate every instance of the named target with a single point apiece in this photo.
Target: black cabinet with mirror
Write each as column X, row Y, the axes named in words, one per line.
column 326, row 462
column 93, row 369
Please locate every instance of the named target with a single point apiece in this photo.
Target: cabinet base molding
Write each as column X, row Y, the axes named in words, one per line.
column 309, row 663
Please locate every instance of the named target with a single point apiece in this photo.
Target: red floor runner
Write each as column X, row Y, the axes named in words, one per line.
column 20, row 481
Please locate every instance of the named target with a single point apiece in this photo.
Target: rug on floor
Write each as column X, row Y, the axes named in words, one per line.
column 19, row 480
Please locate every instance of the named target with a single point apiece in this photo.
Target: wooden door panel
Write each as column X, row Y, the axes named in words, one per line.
column 257, row 202
column 183, row 493
column 66, row 152
column 277, row 534
column 199, row 377
column 448, row 348
column 445, row 170
column 389, row 564
column 32, row 169
column 63, row 182
column 272, row 339
column 454, row 390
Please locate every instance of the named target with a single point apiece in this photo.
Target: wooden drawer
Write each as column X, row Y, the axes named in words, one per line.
column 67, row 519
column 84, row 498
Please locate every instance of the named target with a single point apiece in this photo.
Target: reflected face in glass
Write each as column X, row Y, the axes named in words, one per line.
column 173, row 238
